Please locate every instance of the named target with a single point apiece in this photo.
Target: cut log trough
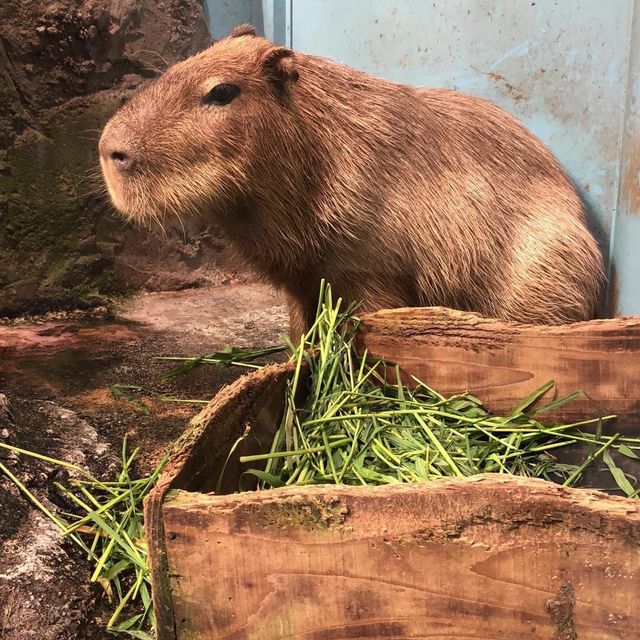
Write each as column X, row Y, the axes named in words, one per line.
column 486, row 557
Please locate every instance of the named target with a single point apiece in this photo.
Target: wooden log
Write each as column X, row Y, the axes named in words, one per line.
column 252, row 407
column 503, row 362
column 487, row 557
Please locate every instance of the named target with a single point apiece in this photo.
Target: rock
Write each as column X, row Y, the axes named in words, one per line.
column 44, row 577
column 5, row 413
column 77, row 439
column 31, row 563
column 64, row 67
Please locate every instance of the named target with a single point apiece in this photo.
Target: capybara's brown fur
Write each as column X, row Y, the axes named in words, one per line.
column 397, row 196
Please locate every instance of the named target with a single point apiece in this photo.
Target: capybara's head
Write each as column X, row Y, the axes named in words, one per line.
column 183, row 145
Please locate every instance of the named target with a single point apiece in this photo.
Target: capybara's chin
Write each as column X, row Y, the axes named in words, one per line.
column 146, row 186
column 146, row 199
column 397, row 196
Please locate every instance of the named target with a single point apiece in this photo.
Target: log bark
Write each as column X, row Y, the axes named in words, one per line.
column 502, row 362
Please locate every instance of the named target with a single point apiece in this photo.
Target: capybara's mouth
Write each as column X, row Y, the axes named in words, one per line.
column 117, row 170
column 123, row 170
column 115, row 188
column 161, row 200
column 132, row 197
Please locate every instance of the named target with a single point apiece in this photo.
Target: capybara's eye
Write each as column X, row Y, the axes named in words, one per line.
column 221, row 94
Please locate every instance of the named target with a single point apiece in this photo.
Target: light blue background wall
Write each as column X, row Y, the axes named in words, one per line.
column 272, row 18
column 568, row 69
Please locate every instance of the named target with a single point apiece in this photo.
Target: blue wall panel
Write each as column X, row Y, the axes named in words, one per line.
column 270, row 17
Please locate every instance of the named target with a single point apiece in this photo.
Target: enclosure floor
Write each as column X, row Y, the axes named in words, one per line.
column 55, row 373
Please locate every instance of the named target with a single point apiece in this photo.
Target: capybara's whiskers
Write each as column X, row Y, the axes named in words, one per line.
column 136, row 56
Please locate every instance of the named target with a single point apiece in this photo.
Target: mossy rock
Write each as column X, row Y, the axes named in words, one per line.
column 48, row 249
column 64, row 67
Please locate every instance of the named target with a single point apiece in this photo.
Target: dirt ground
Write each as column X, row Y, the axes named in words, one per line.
column 55, row 373
column 65, row 66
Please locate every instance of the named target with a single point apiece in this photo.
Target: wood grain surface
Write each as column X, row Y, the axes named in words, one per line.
column 483, row 558
column 502, row 362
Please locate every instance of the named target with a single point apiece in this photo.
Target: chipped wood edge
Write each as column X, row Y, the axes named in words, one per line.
column 532, row 490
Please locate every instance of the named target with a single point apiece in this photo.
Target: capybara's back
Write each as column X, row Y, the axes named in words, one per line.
column 397, row 196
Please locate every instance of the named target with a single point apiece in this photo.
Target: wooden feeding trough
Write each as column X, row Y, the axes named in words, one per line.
column 485, row 557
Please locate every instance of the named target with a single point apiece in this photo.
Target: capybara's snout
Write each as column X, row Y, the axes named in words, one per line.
column 116, row 150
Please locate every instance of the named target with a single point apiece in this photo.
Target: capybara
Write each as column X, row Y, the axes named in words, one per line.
column 395, row 195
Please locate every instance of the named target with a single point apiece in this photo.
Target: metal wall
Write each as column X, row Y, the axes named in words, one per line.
column 272, row 18
column 566, row 68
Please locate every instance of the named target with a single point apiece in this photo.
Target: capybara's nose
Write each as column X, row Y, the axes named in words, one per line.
column 121, row 160
column 115, row 153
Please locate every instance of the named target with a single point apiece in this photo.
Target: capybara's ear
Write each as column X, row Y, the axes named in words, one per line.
column 242, row 30
column 279, row 65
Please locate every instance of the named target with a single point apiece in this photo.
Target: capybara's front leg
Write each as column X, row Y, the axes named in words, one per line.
column 301, row 316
